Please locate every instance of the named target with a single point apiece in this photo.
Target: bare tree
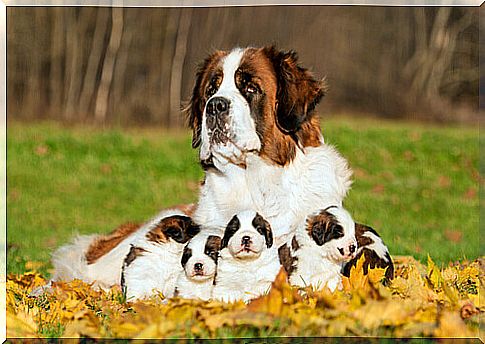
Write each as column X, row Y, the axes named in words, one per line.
column 101, row 107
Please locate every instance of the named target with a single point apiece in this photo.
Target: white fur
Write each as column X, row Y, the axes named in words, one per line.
column 245, row 275
column 241, row 279
column 377, row 246
column 70, row 263
column 190, row 286
column 316, row 178
column 240, row 126
column 320, row 266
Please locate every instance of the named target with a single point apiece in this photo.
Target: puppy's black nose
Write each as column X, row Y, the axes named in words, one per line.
column 352, row 248
column 198, row 266
column 217, row 106
column 246, row 240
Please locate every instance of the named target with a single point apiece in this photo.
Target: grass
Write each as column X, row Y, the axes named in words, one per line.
column 415, row 184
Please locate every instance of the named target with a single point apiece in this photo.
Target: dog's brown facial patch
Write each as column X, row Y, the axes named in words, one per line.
column 106, row 243
column 212, row 247
column 324, row 227
column 282, row 97
column 207, row 82
column 178, row 228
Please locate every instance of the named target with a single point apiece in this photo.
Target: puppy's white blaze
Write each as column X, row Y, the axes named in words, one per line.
column 378, row 246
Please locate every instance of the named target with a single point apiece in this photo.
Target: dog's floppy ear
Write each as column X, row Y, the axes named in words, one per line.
column 324, row 227
column 231, row 228
column 264, row 228
column 298, row 92
column 186, row 256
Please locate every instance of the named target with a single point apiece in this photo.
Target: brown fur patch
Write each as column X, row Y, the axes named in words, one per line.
column 362, row 240
column 105, row 243
column 286, row 259
column 134, row 253
column 206, row 72
column 279, row 145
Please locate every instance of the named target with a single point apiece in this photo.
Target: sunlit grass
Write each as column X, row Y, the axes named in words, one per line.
column 417, row 185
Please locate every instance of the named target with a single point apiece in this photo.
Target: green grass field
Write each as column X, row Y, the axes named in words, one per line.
column 415, row 184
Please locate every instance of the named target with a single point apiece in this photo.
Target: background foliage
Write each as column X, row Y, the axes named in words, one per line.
column 135, row 65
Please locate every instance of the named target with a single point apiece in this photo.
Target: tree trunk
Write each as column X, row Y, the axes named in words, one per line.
column 102, row 98
column 177, row 67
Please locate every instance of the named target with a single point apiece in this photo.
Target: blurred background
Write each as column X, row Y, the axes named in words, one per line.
column 136, row 65
column 94, row 119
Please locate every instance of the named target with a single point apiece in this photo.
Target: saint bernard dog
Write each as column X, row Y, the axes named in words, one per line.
column 375, row 252
column 100, row 259
column 253, row 118
column 153, row 262
column 319, row 249
column 199, row 261
column 248, row 261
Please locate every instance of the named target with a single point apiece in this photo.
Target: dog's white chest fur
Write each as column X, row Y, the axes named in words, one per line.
column 245, row 280
column 283, row 195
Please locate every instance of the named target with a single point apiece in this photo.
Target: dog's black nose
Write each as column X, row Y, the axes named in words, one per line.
column 217, row 106
column 246, row 240
column 198, row 266
column 352, row 248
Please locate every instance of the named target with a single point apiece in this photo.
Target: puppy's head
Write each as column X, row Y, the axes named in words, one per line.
column 247, row 235
column 199, row 258
column 333, row 229
column 177, row 228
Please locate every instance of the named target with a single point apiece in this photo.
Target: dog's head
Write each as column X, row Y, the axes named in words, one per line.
column 247, row 235
column 253, row 100
column 333, row 229
column 176, row 228
column 199, row 258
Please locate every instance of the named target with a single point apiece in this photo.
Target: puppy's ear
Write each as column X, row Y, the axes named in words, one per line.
column 186, row 256
column 324, row 227
column 264, row 228
column 298, row 92
column 213, row 246
column 231, row 228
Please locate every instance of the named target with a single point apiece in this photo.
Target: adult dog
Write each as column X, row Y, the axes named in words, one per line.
column 253, row 118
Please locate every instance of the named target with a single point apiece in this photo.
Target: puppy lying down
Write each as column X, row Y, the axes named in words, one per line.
column 327, row 245
column 199, row 262
column 248, row 261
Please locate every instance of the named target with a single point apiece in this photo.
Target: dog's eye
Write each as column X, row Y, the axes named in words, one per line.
column 251, row 89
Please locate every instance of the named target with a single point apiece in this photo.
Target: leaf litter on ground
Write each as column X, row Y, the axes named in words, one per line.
column 422, row 300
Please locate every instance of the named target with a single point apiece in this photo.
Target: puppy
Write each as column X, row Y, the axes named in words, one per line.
column 375, row 252
column 153, row 262
column 319, row 249
column 248, row 261
column 199, row 261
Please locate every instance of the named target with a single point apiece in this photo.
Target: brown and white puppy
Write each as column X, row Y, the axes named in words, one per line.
column 248, row 261
column 153, row 263
column 253, row 117
column 199, row 261
column 375, row 252
column 99, row 259
column 319, row 249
